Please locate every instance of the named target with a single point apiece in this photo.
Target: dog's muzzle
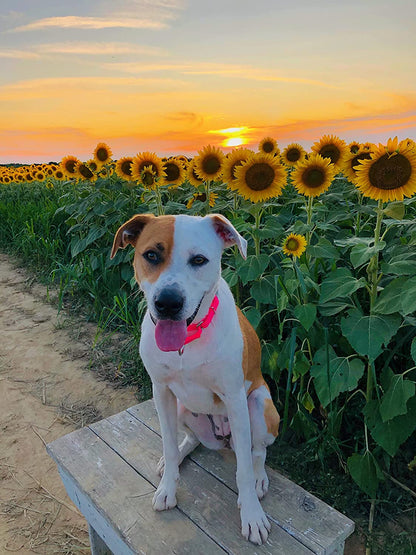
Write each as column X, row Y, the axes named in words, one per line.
column 169, row 304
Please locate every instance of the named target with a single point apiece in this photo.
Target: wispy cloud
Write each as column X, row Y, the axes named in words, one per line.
column 100, row 48
column 79, row 22
column 207, row 68
column 19, row 54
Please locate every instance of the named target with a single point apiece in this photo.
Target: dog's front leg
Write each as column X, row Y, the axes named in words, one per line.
column 166, row 405
column 254, row 524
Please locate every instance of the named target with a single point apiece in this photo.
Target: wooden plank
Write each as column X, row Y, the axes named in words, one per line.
column 314, row 523
column 98, row 547
column 204, row 499
column 117, row 501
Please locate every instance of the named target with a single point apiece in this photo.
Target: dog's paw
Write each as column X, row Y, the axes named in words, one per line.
column 164, row 498
column 262, row 485
column 255, row 526
column 161, row 466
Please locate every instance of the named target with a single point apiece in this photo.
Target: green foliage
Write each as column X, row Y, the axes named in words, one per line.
column 337, row 326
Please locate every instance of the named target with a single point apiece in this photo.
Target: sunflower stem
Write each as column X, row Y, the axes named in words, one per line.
column 207, row 193
column 158, row 198
column 372, row 268
column 289, row 380
column 257, row 219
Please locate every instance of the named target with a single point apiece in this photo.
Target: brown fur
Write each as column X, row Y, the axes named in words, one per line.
column 251, row 354
column 271, row 417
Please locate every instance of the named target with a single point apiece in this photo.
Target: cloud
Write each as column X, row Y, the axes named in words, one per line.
column 207, row 68
column 99, row 48
column 78, row 22
column 19, row 54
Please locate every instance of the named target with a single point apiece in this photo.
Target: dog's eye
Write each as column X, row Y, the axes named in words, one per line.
column 152, row 257
column 198, row 260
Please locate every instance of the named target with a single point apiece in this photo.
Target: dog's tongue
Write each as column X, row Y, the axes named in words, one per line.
column 170, row 335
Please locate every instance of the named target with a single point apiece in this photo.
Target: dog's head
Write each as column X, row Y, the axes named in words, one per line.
column 177, row 263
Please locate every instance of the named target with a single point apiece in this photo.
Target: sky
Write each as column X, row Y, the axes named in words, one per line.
column 172, row 76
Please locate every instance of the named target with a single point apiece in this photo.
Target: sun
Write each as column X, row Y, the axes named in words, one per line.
column 234, row 141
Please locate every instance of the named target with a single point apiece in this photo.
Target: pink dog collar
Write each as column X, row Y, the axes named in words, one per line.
column 195, row 330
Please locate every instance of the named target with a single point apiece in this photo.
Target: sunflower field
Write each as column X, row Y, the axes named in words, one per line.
column 329, row 282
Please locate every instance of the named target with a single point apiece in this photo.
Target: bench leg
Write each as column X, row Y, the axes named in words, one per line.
column 339, row 550
column 98, row 546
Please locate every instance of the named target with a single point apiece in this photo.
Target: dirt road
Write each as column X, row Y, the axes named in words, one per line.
column 46, row 391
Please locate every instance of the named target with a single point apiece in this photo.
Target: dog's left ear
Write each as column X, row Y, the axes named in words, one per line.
column 227, row 232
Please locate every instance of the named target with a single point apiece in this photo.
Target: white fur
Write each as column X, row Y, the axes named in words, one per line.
column 211, row 364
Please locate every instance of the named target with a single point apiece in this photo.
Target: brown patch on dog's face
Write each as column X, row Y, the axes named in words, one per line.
column 153, row 249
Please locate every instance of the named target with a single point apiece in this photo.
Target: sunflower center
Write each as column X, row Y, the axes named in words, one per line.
column 85, row 171
column 211, row 164
column 292, row 244
column 313, row 177
column 148, row 179
column 93, row 166
column 172, row 171
column 268, row 147
column 259, row 176
column 293, row 155
column 126, row 167
column 70, row 166
column 102, row 154
column 330, row 151
column 389, row 173
column 354, row 149
column 201, row 197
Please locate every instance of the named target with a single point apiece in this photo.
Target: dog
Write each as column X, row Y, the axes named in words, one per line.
column 202, row 355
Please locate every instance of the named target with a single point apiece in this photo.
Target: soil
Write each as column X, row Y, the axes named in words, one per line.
column 46, row 391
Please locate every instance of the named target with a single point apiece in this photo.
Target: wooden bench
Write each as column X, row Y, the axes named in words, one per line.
column 109, row 471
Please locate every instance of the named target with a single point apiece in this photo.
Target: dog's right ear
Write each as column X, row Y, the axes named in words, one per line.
column 129, row 232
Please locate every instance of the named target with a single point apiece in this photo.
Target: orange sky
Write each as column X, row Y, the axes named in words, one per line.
column 181, row 76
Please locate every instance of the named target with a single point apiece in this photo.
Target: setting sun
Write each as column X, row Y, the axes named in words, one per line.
column 234, row 141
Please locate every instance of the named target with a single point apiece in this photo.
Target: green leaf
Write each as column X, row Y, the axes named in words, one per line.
column 301, row 365
column 413, row 350
column 253, row 267
column 408, row 298
column 94, row 234
column 230, row 276
column 365, row 472
column 335, row 375
column 391, row 434
column 360, row 254
column 367, row 334
column 307, row 402
column 77, row 246
column 340, row 283
column 323, row 249
column 395, row 399
column 333, row 307
column 253, row 316
column 389, row 300
column 395, row 210
column 400, row 267
column 264, row 290
column 269, row 355
column 306, row 314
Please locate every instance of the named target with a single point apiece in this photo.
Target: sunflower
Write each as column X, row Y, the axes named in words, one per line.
column 84, row 172
column 208, row 163
column 174, row 172
column 68, row 165
column 123, row 168
column 202, row 197
column 354, row 147
column 368, row 147
column 191, row 174
column 39, row 175
column 269, row 146
column 92, row 164
column 313, row 176
column 102, row 154
column 349, row 169
column 234, row 159
column 148, row 177
column 59, row 174
column 147, row 159
column 294, row 245
column 261, row 177
column 390, row 174
column 408, row 142
column 332, row 147
column 293, row 154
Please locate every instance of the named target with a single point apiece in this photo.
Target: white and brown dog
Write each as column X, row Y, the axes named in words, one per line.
column 202, row 355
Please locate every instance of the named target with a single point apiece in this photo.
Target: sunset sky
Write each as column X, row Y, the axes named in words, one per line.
column 171, row 76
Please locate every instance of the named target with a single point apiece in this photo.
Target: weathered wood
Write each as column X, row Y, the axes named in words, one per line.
column 98, row 547
column 116, row 501
column 312, row 522
column 204, row 499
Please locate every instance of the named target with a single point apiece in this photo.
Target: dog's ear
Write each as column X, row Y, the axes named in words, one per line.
column 229, row 235
column 129, row 232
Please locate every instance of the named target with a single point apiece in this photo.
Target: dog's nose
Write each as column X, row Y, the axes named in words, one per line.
column 169, row 303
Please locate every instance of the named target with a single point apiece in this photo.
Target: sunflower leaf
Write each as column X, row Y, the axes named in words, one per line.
column 408, row 298
column 365, row 472
column 360, row 254
column 395, row 210
column 340, row 283
column 252, row 268
column 389, row 300
column 413, row 350
column 395, row 399
column 367, row 334
column 306, row 314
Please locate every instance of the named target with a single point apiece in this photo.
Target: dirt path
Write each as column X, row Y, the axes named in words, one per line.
column 46, row 391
